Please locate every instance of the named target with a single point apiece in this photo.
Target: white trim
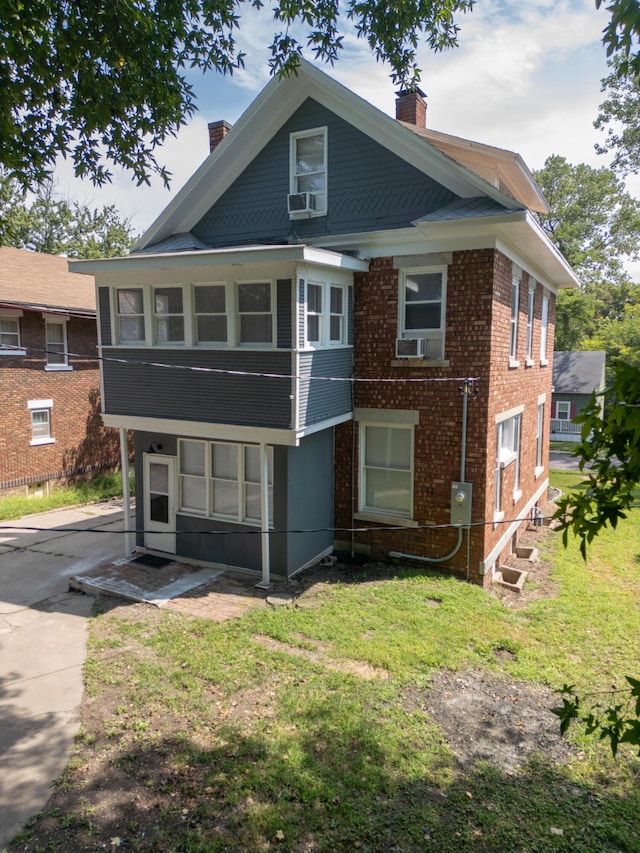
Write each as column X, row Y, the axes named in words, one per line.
column 542, row 398
column 382, row 512
column 38, row 441
column 16, row 351
column 381, row 518
column 40, row 404
column 493, row 555
column 221, row 432
column 387, row 416
column 56, row 318
column 11, row 313
column 293, row 185
column 510, row 413
column 58, row 368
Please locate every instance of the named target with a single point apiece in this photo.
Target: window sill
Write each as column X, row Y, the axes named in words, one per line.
column 420, row 362
column 513, row 363
column 539, row 470
column 13, row 352
column 528, row 362
column 37, row 441
column 497, row 518
column 517, row 494
column 507, row 459
column 58, row 368
column 389, row 520
column 544, row 362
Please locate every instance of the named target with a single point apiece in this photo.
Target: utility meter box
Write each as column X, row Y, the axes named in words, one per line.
column 461, row 503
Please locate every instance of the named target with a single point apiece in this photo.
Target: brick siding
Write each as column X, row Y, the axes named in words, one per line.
column 476, row 345
column 82, row 443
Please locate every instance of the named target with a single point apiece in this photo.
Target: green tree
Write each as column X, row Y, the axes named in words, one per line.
column 107, row 84
column 618, row 116
column 622, row 33
column 593, row 220
column 49, row 223
column 609, row 456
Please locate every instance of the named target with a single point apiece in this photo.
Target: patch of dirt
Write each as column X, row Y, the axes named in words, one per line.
column 320, row 655
column 486, row 718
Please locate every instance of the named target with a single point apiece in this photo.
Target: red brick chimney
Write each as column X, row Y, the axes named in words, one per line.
column 217, row 132
column 412, row 107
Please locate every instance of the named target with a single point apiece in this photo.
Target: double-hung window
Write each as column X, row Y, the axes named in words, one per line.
column 507, row 452
column 209, row 306
column 130, row 315
column 539, row 438
column 386, row 470
column 168, row 315
column 10, row 336
column 325, row 315
column 422, row 308
column 56, row 341
column 255, row 317
column 40, row 412
column 309, row 167
column 563, row 410
column 515, row 313
column 530, row 305
column 544, row 329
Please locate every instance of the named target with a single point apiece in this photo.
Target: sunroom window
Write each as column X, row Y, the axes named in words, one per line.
column 168, row 315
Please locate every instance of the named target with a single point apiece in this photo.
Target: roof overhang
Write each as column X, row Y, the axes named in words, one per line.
column 49, row 309
column 238, row 256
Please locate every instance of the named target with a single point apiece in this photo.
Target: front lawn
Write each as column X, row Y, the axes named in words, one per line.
column 316, row 727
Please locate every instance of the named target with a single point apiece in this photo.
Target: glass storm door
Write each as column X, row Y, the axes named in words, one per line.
column 159, row 503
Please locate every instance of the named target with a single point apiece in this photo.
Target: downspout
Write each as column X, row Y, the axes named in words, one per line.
column 126, row 493
column 466, row 389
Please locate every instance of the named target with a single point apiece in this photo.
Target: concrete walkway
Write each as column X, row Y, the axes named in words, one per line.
column 43, row 630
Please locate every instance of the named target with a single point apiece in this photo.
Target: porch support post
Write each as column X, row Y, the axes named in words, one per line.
column 126, row 495
column 265, row 583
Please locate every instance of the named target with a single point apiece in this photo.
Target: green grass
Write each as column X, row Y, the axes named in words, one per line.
column 206, row 738
column 563, row 446
column 102, row 487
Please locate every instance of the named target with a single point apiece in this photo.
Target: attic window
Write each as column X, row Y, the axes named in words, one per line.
column 308, row 172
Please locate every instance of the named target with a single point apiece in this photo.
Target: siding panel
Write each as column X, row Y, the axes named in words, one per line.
column 369, row 188
column 321, row 400
column 104, row 314
column 141, row 387
column 283, row 313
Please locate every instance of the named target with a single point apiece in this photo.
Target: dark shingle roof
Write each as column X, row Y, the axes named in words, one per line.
column 578, row 372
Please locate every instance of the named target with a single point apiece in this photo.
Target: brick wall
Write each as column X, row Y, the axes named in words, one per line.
column 476, row 345
column 82, row 443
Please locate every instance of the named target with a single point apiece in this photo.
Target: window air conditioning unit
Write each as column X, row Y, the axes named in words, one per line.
column 301, row 203
column 411, row 347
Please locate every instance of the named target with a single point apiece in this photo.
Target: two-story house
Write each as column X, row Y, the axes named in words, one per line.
column 50, row 424
column 337, row 335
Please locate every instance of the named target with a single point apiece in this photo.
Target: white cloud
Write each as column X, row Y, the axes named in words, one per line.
column 526, row 76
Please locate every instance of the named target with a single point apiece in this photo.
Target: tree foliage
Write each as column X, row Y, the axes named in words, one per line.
column 622, row 34
column 618, row 116
column 593, row 220
column 49, row 223
column 105, row 83
column 609, row 455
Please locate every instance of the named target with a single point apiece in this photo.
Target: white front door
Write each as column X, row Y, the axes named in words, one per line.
column 159, row 502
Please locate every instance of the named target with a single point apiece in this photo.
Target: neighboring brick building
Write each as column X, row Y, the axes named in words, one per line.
column 50, row 424
column 337, row 335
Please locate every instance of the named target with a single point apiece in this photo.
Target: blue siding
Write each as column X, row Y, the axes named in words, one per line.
column 369, row 188
column 321, row 400
column 104, row 316
column 139, row 388
column 283, row 313
column 310, row 498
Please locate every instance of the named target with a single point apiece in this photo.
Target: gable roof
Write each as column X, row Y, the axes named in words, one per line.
column 505, row 169
column 277, row 102
column 578, row 372
column 38, row 282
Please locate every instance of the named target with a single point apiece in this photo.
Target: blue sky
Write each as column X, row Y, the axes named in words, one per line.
column 525, row 76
